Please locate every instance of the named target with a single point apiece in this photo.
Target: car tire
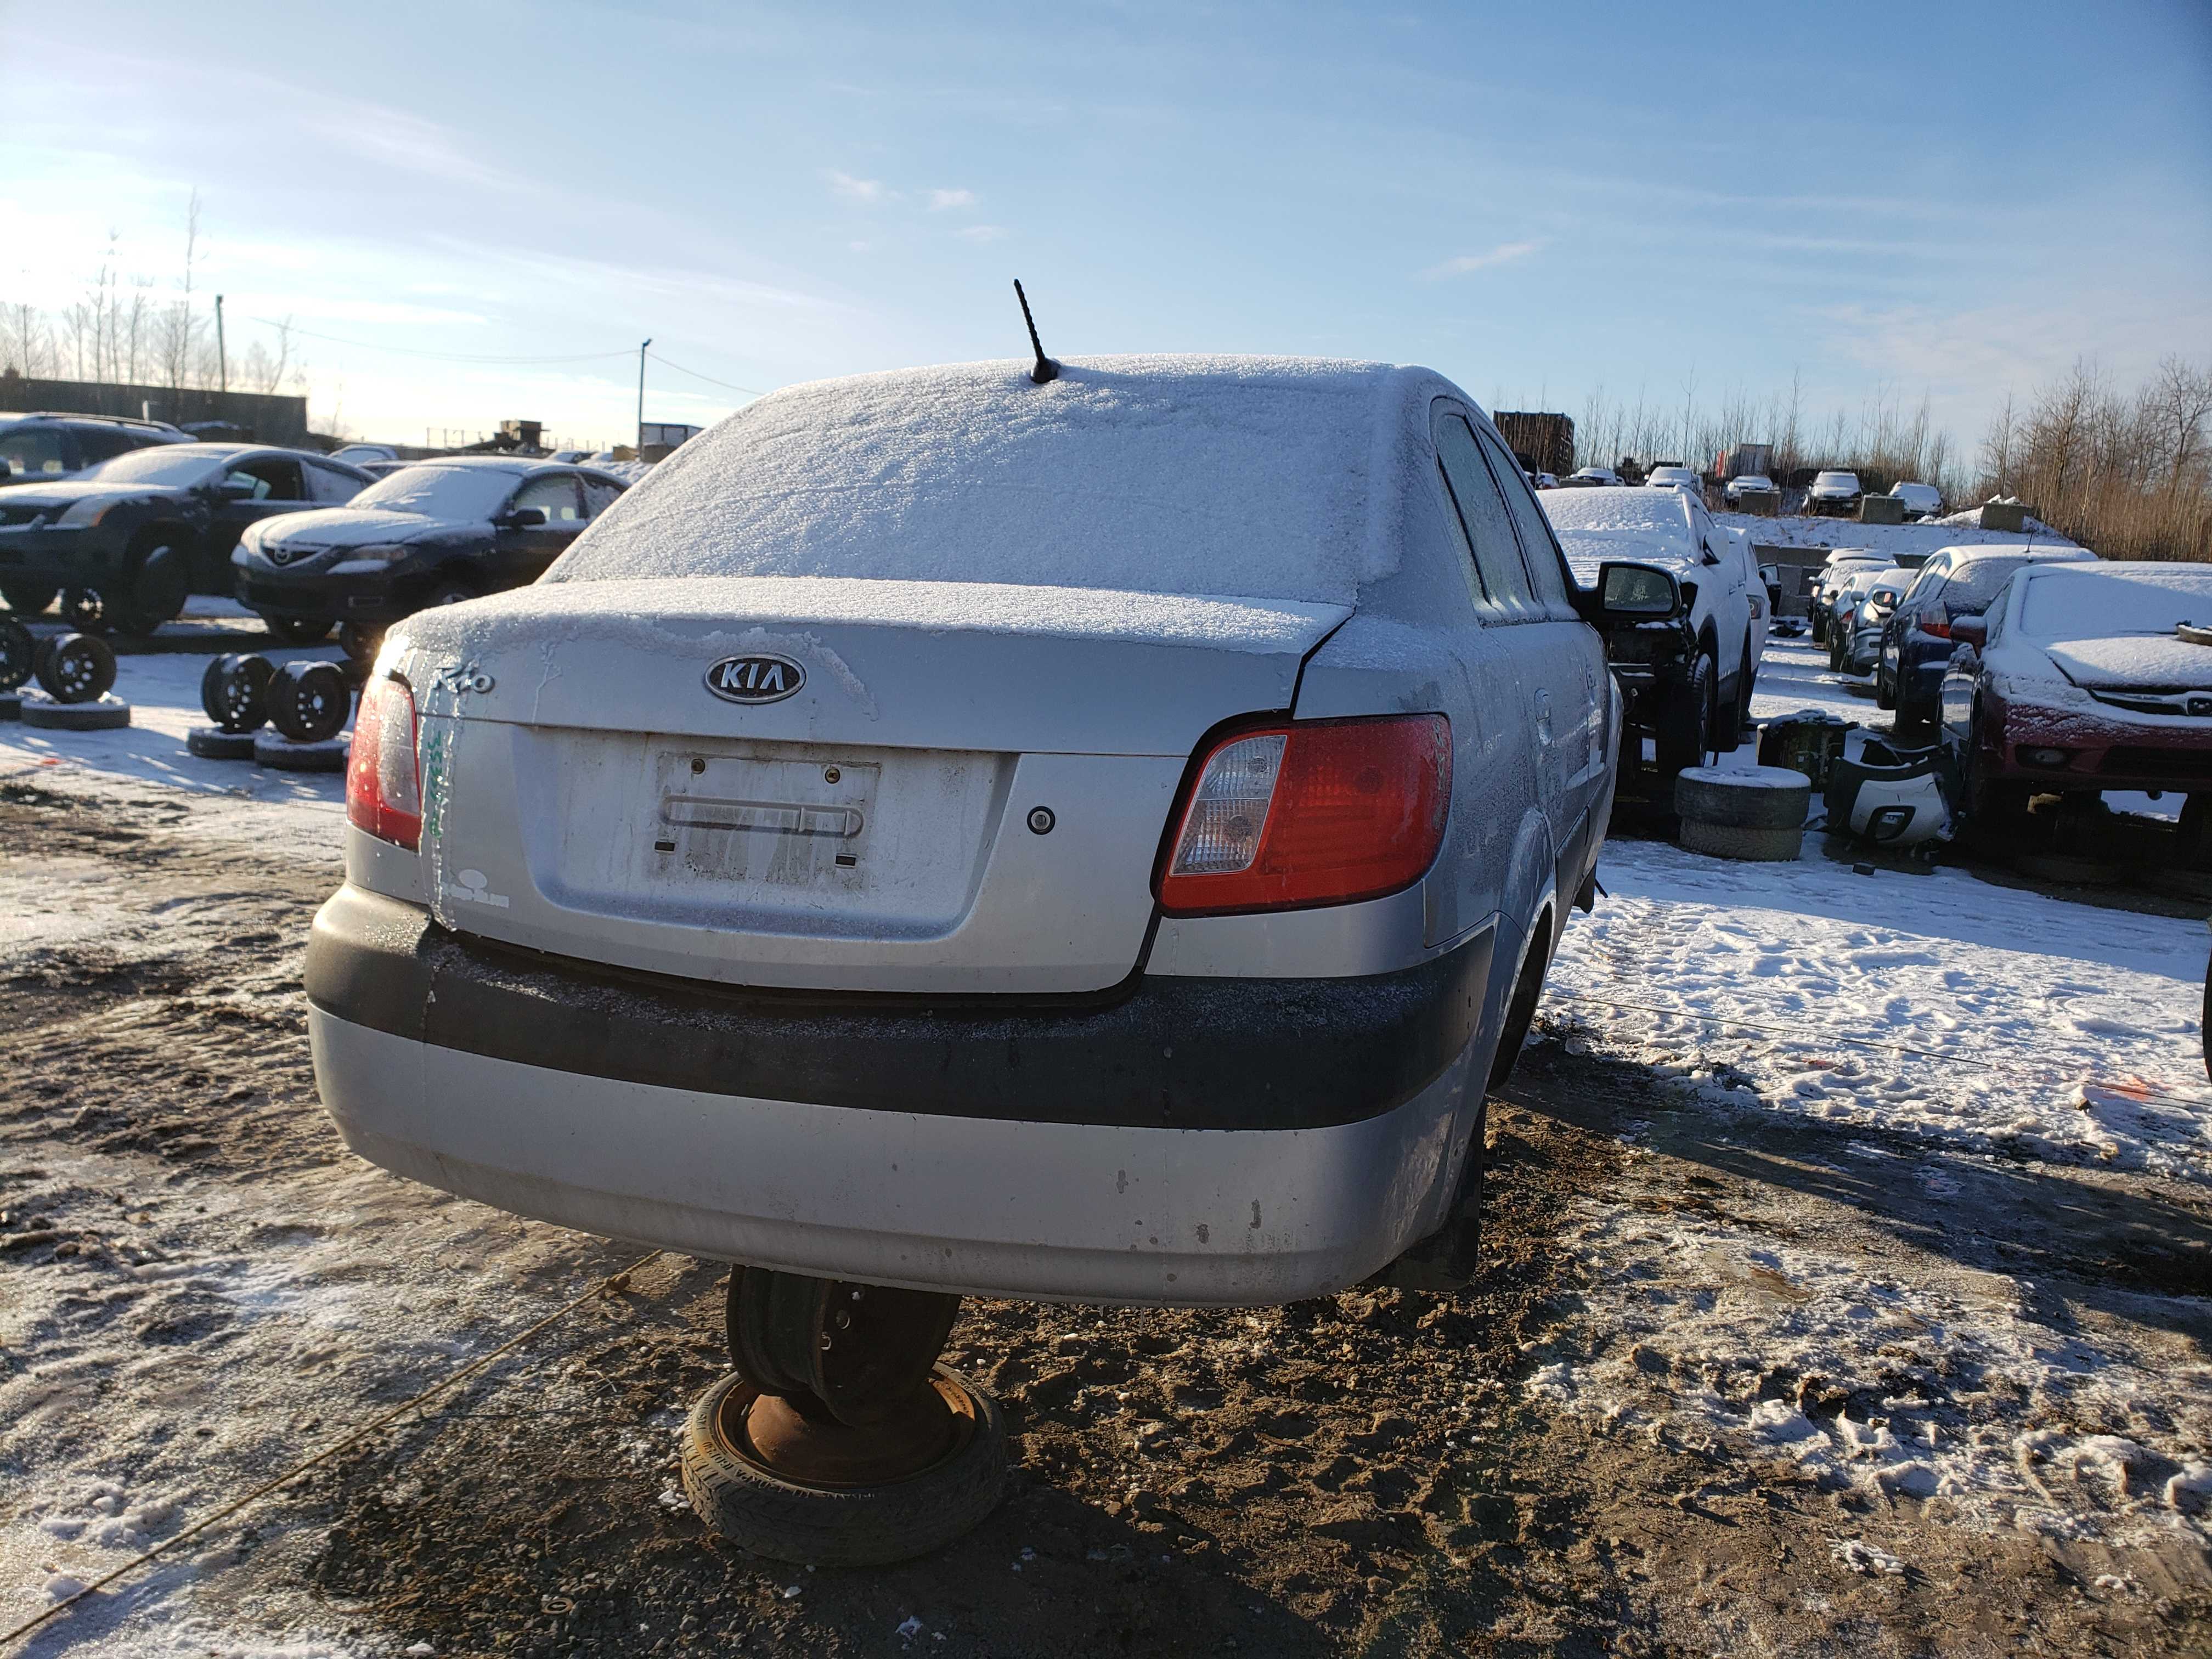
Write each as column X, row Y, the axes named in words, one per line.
column 1913, row 728
column 85, row 609
column 1723, row 840
column 1521, row 1011
column 2193, row 844
column 751, row 1505
column 300, row 631
column 28, row 598
column 1995, row 807
column 309, row 702
column 234, row 691
column 360, row 642
column 447, row 590
column 1768, row 797
column 19, row 654
column 76, row 668
column 1884, row 694
column 1685, row 725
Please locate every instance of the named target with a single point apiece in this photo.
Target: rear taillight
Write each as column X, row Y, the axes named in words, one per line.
column 1286, row 817
column 383, row 794
column 1942, row 630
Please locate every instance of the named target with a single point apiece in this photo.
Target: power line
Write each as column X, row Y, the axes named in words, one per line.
column 750, row 390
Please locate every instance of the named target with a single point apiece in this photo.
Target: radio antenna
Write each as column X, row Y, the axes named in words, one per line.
column 1045, row 369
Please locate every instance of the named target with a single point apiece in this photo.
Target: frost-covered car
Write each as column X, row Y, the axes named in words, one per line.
column 1688, row 678
column 435, row 533
column 2083, row 678
column 1921, row 501
column 1841, row 566
column 1831, row 493
column 1747, row 482
column 1592, row 475
column 1668, row 476
column 1916, row 640
column 1095, row 839
column 129, row 540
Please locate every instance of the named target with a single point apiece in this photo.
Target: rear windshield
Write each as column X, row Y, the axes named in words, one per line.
column 1975, row 583
column 2062, row 605
column 440, row 492
column 1253, row 481
column 161, row 464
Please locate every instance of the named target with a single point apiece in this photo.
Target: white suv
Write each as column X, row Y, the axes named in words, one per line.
column 1094, row 839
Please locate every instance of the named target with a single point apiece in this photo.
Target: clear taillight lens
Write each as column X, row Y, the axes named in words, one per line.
column 1325, row 812
column 384, row 791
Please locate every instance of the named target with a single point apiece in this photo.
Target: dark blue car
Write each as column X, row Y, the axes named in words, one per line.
column 1916, row 642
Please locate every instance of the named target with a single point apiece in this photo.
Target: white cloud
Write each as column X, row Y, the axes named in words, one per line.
column 984, row 233
column 1504, row 254
column 941, row 199
column 858, row 190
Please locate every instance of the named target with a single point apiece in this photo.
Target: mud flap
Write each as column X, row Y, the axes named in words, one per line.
column 1449, row 1258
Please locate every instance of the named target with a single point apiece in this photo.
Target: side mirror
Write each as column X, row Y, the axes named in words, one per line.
column 1638, row 592
column 524, row 518
column 1970, row 631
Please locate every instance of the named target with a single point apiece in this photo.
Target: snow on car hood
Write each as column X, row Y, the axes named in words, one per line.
column 355, row 527
column 2143, row 662
column 1642, row 525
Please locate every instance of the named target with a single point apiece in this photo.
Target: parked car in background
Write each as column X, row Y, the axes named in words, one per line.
column 1856, row 620
column 570, row 456
column 791, row 778
column 1592, row 475
column 1916, row 642
column 1921, row 501
column 1843, row 563
column 48, row 448
column 383, row 469
column 1544, row 480
column 2080, row 678
column 363, row 454
column 1669, row 475
column 1736, row 487
column 1689, row 684
column 129, row 540
column 435, row 533
column 1833, row 493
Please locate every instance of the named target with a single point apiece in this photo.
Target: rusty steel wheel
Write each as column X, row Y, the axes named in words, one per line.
column 857, row 1353
column 765, row 1476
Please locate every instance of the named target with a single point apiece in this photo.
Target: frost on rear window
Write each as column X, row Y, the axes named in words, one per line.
column 2096, row 605
column 1247, row 477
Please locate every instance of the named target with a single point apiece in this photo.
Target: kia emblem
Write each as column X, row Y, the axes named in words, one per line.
column 755, row 679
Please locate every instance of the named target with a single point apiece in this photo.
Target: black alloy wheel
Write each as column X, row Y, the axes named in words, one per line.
column 85, row 610
column 308, row 702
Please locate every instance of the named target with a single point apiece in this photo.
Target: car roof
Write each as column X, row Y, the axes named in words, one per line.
column 2046, row 553
column 156, row 428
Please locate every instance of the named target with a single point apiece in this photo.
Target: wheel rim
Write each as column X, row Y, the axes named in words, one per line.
column 766, row 1432
column 76, row 672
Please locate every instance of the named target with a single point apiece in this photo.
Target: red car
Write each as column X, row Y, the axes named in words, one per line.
column 2084, row 678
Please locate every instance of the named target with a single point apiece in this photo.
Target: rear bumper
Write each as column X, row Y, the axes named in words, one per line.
column 1193, row 1141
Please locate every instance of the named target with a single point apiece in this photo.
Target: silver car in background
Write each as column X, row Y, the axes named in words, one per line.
column 1095, row 839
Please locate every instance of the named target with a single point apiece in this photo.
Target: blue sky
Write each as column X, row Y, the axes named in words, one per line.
column 1893, row 200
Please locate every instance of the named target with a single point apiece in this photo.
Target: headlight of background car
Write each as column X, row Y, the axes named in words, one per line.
column 82, row 515
column 366, row 561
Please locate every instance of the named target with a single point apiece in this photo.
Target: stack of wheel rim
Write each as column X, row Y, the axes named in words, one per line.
column 1753, row 812
column 75, row 671
column 306, row 703
column 234, row 692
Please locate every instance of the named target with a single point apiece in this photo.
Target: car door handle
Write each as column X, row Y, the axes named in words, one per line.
column 1543, row 714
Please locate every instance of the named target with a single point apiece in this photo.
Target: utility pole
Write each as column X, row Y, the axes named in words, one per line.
column 640, row 439
column 221, row 351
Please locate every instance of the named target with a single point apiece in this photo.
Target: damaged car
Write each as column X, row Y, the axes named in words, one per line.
column 432, row 532
column 1106, row 856
column 1916, row 641
column 2078, row 678
column 1688, row 678
column 129, row 541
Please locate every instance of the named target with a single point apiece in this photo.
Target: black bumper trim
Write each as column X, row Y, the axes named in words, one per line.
column 1173, row 1052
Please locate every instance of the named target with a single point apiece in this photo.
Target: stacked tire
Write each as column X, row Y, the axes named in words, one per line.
column 1751, row 812
column 75, row 671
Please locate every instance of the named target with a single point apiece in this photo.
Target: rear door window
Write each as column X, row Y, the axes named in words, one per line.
column 1539, row 549
column 1482, row 513
column 32, row 451
column 275, row 478
column 600, row 494
column 330, row 486
column 95, row 444
column 555, row 495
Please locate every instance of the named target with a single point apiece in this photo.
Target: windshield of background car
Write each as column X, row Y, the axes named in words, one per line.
column 2064, row 605
column 440, row 492
column 32, row 451
column 161, row 463
column 1845, row 480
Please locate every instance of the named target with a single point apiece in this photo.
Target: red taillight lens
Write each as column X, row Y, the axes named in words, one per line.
column 384, row 793
column 1326, row 813
column 1942, row 630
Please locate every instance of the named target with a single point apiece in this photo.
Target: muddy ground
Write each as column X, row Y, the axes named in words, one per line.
column 1363, row 1474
